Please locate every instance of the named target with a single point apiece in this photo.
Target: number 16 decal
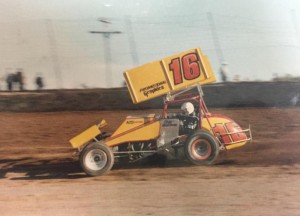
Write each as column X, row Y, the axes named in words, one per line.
column 190, row 66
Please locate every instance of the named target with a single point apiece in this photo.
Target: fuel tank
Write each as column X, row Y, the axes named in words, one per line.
column 227, row 131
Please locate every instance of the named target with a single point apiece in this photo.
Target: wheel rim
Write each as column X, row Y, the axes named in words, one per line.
column 201, row 149
column 95, row 159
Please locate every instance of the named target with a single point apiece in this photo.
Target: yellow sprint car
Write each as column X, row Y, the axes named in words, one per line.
column 185, row 124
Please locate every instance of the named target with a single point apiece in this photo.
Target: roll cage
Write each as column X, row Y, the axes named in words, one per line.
column 190, row 94
column 195, row 94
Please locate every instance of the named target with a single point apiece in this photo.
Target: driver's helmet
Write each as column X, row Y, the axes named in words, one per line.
column 187, row 108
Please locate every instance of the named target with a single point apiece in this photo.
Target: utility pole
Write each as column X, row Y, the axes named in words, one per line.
column 296, row 27
column 107, row 51
column 215, row 37
column 53, row 53
column 131, row 40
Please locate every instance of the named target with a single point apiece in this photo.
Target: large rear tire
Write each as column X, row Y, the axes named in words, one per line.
column 96, row 159
column 201, row 148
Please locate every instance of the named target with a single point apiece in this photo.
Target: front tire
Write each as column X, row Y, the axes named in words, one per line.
column 96, row 159
column 201, row 148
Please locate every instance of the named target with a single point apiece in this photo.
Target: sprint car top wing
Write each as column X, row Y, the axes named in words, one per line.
column 169, row 74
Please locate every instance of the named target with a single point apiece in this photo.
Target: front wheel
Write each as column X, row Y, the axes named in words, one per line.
column 201, row 148
column 96, row 159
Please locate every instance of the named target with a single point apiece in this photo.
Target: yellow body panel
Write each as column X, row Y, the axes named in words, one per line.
column 87, row 135
column 158, row 78
column 134, row 132
column 213, row 121
column 133, row 122
column 236, row 145
column 236, row 136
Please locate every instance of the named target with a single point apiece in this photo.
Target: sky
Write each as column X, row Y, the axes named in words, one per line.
column 259, row 39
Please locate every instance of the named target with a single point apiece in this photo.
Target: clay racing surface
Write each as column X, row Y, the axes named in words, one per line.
column 39, row 176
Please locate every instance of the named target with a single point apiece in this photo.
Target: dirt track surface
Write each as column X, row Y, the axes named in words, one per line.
column 39, row 176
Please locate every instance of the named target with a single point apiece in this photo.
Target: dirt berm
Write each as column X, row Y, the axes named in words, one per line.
column 242, row 94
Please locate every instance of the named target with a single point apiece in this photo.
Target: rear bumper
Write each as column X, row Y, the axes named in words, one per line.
column 246, row 133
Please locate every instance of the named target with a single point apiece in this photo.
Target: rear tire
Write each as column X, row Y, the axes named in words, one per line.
column 96, row 159
column 201, row 148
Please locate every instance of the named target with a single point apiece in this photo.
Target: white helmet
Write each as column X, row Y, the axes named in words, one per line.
column 187, row 108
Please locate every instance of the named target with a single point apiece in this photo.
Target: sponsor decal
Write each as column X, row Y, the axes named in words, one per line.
column 134, row 122
column 153, row 88
column 229, row 132
column 186, row 68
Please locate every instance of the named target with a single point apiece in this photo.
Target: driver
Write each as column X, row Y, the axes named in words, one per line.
column 188, row 108
column 188, row 119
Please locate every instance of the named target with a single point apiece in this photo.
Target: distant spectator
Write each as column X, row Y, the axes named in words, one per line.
column 224, row 72
column 15, row 81
column 236, row 78
column 9, row 81
column 39, row 82
column 19, row 78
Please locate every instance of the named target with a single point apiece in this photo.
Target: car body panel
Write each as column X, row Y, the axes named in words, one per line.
column 133, row 131
column 87, row 135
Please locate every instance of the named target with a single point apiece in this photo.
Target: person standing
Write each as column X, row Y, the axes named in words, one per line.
column 19, row 78
column 39, row 82
column 224, row 72
column 9, row 81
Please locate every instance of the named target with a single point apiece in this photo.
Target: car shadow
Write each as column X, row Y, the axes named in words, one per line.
column 33, row 169
column 149, row 163
column 69, row 168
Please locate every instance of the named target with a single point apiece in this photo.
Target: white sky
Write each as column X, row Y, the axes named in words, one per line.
column 258, row 38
